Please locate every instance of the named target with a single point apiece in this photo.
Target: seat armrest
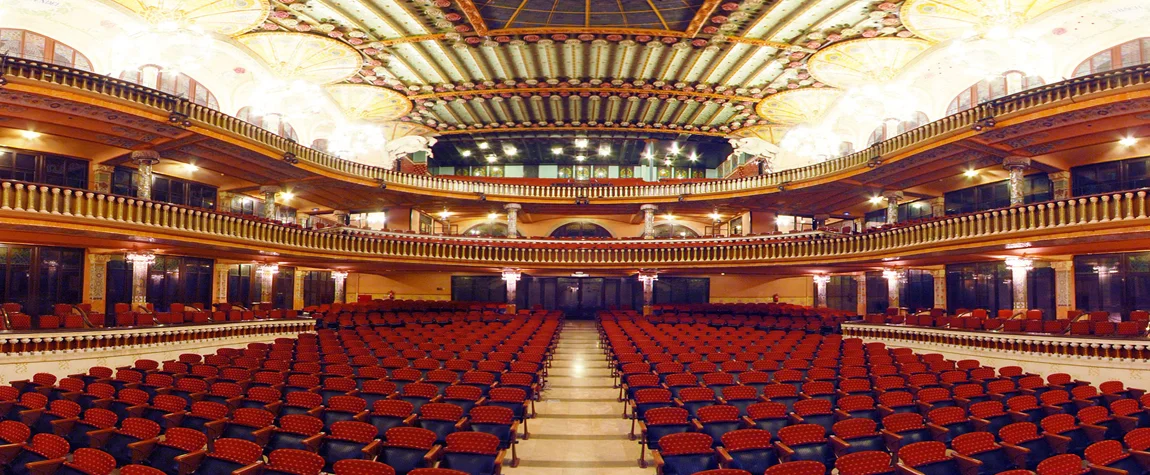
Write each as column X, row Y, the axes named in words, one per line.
column 1101, row 470
column 372, row 449
column 785, row 453
column 253, row 469
column 142, row 449
column 967, row 465
column 725, row 458
column 98, row 438
column 1057, row 442
column 9, row 452
column 432, row 455
column 45, row 467
column 1017, row 454
column 903, row 469
column 190, row 461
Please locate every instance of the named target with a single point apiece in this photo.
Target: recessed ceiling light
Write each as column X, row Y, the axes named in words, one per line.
column 190, row 167
column 876, row 199
column 694, row 157
column 492, row 216
column 970, row 173
column 483, row 145
column 30, row 135
column 287, row 195
column 465, row 153
column 581, row 143
column 674, row 148
column 604, row 150
column 1128, row 141
column 669, row 217
column 580, row 158
column 510, row 150
column 492, row 158
column 557, row 150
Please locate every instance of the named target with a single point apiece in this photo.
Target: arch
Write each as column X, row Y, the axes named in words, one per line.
column 273, row 122
column 891, row 127
column 985, row 90
column 174, row 83
column 581, row 229
column 489, row 229
column 672, row 230
column 1130, row 53
column 34, row 46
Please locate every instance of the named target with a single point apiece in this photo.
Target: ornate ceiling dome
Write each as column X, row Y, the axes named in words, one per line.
column 864, row 61
column 300, row 56
column 942, row 20
column 797, row 106
column 363, row 102
column 226, row 17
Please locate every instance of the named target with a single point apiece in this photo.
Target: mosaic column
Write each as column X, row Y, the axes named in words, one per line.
column 1019, row 267
column 1060, row 182
column 144, row 159
column 220, row 283
column 821, row 290
column 102, row 178
column 648, row 279
column 512, row 218
column 98, row 281
column 297, row 289
column 939, row 287
column 892, row 199
column 269, row 192
column 938, row 207
column 892, row 276
column 1017, row 167
column 1063, row 286
column 860, row 300
column 340, row 278
column 511, row 278
column 267, row 273
column 140, row 262
column 649, row 221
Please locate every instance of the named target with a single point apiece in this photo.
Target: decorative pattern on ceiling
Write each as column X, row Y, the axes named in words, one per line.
column 226, row 17
column 298, row 56
column 797, row 106
column 690, row 66
column 943, row 20
column 865, row 61
column 363, row 102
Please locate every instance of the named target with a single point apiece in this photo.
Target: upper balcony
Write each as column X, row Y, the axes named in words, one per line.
column 997, row 127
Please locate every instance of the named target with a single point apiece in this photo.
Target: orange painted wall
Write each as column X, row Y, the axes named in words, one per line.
column 797, row 290
column 406, row 285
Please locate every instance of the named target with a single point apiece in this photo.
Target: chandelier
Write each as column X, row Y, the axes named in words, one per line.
column 357, row 141
column 165, row 43
column 818, row 142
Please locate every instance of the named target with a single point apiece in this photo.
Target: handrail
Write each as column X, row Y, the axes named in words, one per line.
column 54, row 209
column 181, row 109
column 465, row 239
column 83, row 316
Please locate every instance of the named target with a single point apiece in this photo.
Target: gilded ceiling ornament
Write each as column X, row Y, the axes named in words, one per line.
column 226, row 17
column 943, row 20
column 797, row 106
column 300, row 56
column 864, row 61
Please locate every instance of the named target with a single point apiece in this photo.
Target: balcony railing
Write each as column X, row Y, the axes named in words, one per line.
column 1069, row 90
column 55, row 209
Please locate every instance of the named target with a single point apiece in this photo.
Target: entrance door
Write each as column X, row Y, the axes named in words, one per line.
column 567, row 295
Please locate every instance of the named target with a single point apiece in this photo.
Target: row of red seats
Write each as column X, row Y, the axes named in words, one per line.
column 1031, row 321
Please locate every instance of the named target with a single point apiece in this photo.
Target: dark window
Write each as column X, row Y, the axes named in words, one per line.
column 318, row 288
column 283, row 290
column 35, row 167
column 167, row 189
column 484, row 288
column 39, row 277
column 1116, row 283
column 916, row 290
column 913, row 210
column 171, row 279
column 581, row 229
column 875, row 219
column 985, row 285
column 842, row 293
column 1108, row 177
column 664, row 231
column 240, row 285
column 877, row 295
column 1035, row 189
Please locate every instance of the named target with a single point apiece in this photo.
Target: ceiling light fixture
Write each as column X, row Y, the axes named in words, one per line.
column 465, row 153
column 444, row 214
column 483, row 145
column 287, row 195
column 694, row 157
column 190, row 167
column 510, row 150
column 674, row 148
column 580, row 158
column 715, row 216
column 556, row 150
column 669, row 217
column 30, row 135
column 581, row 143
column 1128, row 141
column 492, row 158
column 876, row 199
column 492, row 216
column 604, row 150
column 970, row 173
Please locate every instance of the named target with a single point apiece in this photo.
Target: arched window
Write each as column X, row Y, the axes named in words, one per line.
column 581, row 229
column 272, row 122
column 1130, row 53
column 34, row 46
column 489, row 229
column 1008, row 83
column 178, row 84
column 669, row 230
column 320, row 144
column 892, row 127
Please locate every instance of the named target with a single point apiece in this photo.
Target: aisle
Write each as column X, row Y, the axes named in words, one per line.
column 579, row 429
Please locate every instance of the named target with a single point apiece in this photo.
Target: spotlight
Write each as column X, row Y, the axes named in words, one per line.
column 483, row 146
column 1128, row 141
column 465, row 153
column 970, row 173
column 876, row 199
column 30, row 135
column 190, row 167
column 557, row 150
column 604, row 150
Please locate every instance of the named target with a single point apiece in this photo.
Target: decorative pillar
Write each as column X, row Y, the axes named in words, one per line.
column 938, row 207
column 820, row 220
column 340, row 278
column 101, row 178
column 140, row 262
column 1063, row 286
column 892, row 199
column 1019, row 267
column 269, row 192
column 266, row 273
column 98, row 281
column 1060, row 182
column 512, row 219
column 511, row 278
column 297, row 289
column 860, row 298
column 892, row 277
column 939, row 276
column 144, row 159
column 219, row 283
column 649, row 221
column 648, row 278
column 1017, row 167
column 821, row 281
column 341, row 217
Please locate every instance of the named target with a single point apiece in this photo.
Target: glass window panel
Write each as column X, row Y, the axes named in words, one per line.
column 1101, row 61
column 1130, row 53
column 35, row 46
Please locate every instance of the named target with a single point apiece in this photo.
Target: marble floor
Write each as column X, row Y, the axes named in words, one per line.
column 579, row 428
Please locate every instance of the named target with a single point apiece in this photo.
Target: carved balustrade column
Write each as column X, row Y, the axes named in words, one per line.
column 512, row 218
column 821, row 281
column 1017, row 167
column 269, row 208
column 144, row 159
column 511, row 278
column 340, row 278
column 649, row 221
column 892, row 199
column 140, row 262
column 1060, row 183
column 648, row 278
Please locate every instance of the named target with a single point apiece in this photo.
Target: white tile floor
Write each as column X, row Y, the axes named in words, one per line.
column 579, row 429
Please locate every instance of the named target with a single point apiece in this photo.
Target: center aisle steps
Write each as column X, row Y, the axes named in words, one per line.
column 579, row 429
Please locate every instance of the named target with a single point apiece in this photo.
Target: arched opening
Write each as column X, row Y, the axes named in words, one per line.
column 177, row 84
column 489, row 229
column 36, row 47
column 272, row 122
column 671, row 230
column 891, row 127
column 1130, row 53
column 581, row 230
column 985, row 90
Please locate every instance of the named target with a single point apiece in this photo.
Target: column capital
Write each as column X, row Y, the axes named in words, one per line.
column 145, row 157
column 512, row 206
column 895, row 196
column 99, row 259
column 1015, row 161
column 1062, row 265
column 649, row 207
column 270, row 189
column 1059, row 175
